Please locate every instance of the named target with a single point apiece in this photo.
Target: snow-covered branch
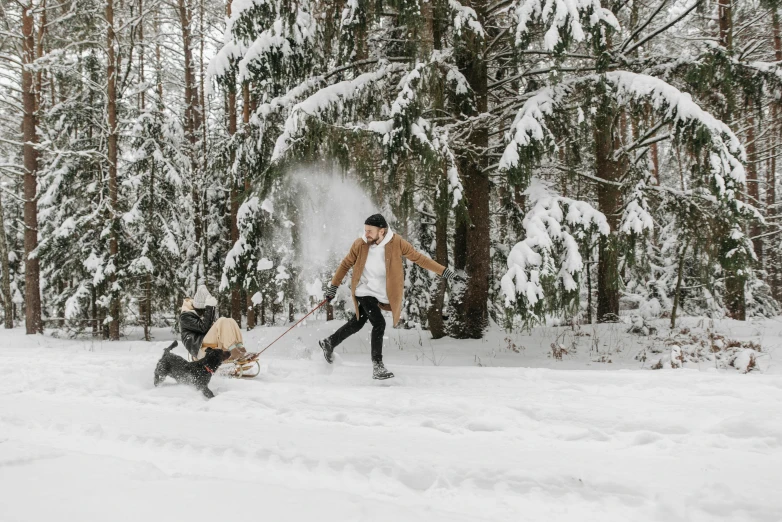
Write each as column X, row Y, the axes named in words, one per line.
column 550, row 253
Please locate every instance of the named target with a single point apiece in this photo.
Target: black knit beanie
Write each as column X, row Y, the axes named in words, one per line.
column 376, row 220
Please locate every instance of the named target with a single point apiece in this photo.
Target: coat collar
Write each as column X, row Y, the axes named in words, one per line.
column 386, row 240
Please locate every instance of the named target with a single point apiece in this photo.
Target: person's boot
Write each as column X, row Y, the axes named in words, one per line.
column 379, row 371
column 328, row 351
column 238, row 352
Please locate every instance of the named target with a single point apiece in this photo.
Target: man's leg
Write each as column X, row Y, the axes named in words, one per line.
column 371, row 307
column 347, row 329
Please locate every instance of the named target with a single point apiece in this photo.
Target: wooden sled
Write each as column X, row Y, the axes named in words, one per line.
column 246, row 368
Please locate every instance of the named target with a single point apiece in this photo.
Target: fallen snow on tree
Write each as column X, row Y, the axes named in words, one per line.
column 327, row 98
column 676, row 107
column 265, row 264
column 561, row 16
column 552, row 227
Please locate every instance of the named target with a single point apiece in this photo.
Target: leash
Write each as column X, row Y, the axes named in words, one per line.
column 256, row 355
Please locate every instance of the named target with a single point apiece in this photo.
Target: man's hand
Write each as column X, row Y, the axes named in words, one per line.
column 453, row 277
column 331, row 293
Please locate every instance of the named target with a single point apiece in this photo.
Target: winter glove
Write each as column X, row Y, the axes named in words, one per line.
column 331, row 293
column 211, row 301
column 452, row 276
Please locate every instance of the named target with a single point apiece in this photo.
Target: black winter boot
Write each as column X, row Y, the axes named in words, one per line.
column 328, row 351
column 379, row 371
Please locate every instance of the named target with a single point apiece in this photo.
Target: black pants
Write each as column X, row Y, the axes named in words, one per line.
column 369, row 311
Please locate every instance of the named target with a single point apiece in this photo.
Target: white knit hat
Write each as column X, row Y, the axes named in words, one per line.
column 202, row 294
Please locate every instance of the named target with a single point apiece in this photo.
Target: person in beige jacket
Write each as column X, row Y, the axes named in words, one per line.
column 377, row 284
column 202, row 329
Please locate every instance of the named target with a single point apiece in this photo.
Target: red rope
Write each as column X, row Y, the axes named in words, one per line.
column 255, row 356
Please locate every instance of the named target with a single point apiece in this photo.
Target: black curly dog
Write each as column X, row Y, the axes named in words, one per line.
column 196, row 373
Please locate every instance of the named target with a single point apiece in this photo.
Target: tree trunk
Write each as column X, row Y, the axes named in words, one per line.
column 192, row 126
column 435, row 313
column 431, row 39
column 734, row 296
column 725, row 13
column 8, row 304
column 148, row 309
column 111, row 102
column 233, row 231
column 609, row 199
column 247, row 188
column 753, row 189
column 148, row 279
column 143, row 94
column 473, row 312
column 250, row 312
column 734, row 282
column 142, row 101
column 771, row 176
column 32, row 290
column 42, row 25
column 158, row 60
column 678, row 292
column 460, row 245
column 94, row 310
column 588, row 266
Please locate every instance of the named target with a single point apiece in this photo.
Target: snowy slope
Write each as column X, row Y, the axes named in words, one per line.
column 85, row 436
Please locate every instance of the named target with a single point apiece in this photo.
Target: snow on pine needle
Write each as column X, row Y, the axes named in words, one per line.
column 677, row 108
column 563, row 17
column 554, row 228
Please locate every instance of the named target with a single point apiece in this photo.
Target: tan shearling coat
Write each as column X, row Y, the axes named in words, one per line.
column 396, row 248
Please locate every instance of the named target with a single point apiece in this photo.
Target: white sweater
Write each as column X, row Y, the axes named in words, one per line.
column 373, row 279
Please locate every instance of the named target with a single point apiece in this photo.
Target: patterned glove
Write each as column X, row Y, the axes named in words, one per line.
column 331, row 293
column 211, row 301
column 453, row 277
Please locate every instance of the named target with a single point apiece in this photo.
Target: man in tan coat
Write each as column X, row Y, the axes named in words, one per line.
column 377, row 284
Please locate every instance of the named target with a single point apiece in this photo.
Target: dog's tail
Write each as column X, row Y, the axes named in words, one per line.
column 173, row 345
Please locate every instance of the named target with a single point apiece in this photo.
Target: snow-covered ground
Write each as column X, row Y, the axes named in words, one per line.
column 467, row 431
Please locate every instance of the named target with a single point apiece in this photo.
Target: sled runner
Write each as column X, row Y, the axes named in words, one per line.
column 247, row 367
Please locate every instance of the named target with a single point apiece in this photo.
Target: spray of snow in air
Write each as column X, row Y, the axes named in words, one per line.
column 332, row 209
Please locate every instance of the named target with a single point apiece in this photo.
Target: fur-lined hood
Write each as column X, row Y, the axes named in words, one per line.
column 187, row 305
